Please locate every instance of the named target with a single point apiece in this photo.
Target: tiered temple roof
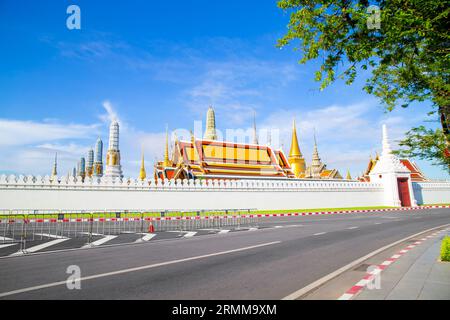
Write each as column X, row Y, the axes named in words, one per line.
column 200, row 158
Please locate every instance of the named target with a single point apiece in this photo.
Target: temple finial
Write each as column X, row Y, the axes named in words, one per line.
column 315, row 140
column 142, row 173
column 296, row 159
column 166, row 148
column 349, row 177
column 54, row 170
column 255, row 135
column 295, row 149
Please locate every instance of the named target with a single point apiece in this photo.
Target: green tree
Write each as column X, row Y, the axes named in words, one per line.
column 408, row 55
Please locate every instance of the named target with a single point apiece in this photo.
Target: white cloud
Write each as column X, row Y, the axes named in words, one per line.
column 236, row 87
column 111, row 113
column 17, row 132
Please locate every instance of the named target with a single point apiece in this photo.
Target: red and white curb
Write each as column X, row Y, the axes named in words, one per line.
column 54, row 220
column 377, row 269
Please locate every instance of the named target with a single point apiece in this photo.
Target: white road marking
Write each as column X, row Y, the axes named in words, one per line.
column 301, row 292
column 345, row 296
column 351, row 228
column 100, row 241
column 7, row 245
column 146, row 237
column 5, row 239
column 319, row 233
column 48, row 235
column 93, row 233
column 224, row 231
column 252, row 229
column 377, row 222
column 40, row 246
column 150, row 266
column 188, row 234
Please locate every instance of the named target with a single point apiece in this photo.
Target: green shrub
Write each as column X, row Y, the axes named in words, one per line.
column 445, row 249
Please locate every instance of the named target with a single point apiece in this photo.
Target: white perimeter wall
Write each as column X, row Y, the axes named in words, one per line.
column 39, row 194
column 431, row 192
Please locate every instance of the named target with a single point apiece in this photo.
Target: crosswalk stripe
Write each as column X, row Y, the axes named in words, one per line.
column 48, row 235
column 100, row 241
column 5, row 239
column 190, row 234
column 41, row 246
column 146, row 237
column 7, row 245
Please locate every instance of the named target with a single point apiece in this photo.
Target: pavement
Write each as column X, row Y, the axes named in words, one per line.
column 278, row 257
column 418, row 275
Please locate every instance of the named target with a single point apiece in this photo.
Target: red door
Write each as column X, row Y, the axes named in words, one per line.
column 403, row 192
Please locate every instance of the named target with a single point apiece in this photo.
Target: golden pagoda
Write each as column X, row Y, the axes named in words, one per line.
column 142, row 173
column 296, row 159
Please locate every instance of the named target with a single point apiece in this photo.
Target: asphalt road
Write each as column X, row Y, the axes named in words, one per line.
column 268, row 263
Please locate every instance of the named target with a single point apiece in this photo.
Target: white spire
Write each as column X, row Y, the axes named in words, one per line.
column 255, row 134
column 388, row 162
column 386, row 146
column 114, row 136
column 113, row 167
column 210, row 133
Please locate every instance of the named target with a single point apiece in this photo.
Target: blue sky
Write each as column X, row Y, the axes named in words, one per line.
column 152, row 63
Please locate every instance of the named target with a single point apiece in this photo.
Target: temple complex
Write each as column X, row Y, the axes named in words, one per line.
column 210, row 158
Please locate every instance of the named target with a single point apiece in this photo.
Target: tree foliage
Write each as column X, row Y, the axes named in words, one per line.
column 408, row 56
column 426, row 144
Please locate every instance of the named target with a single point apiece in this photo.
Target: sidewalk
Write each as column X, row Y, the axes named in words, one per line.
column 418, row 275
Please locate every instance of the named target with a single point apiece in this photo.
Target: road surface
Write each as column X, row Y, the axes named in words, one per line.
column 270, row 261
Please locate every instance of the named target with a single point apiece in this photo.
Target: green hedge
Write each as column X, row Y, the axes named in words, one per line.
column 445, row 249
